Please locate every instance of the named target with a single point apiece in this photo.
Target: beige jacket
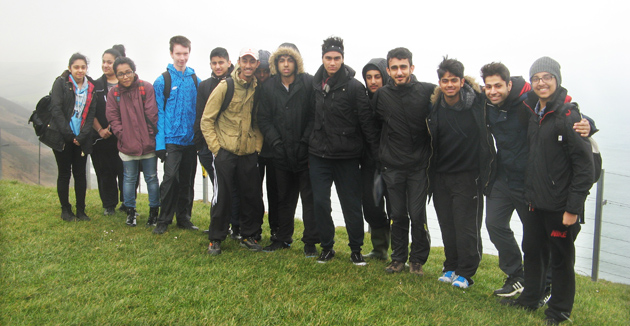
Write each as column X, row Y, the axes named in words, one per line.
column 234, row 131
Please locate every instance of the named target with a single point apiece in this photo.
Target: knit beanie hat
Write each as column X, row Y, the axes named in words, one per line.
column 263, row 56
column 546, row 64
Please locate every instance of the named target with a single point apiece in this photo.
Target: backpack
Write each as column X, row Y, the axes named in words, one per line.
column 41, row 116
column 167, row 85
column 143, row 94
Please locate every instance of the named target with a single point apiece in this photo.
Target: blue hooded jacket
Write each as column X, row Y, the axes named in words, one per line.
column 176, row 121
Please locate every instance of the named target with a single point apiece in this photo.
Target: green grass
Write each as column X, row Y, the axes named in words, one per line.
column 105, row 273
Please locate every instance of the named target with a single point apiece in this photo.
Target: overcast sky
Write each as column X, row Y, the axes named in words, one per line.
column 587, row 38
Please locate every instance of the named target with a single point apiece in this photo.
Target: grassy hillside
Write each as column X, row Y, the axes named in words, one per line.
column 105, row 273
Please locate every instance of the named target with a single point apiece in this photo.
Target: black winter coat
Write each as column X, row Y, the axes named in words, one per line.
column 559, row 171
column 285, row 119
column 342, row 117
column 203, row 93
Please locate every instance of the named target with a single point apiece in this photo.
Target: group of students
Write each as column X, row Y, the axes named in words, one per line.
column 387, row 146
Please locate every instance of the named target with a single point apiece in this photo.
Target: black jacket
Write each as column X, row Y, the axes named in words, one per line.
column 403, row 110
column 560, row 165
column 100, row 86
column 62, row 108
column 342, row 116
column 203, row 93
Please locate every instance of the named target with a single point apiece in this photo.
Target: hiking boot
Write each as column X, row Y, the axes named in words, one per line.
column 447, row 277
column 214, row 248
column 109, row 210
column 515, row 303
column 310, row 250
column 160, row 228
column 416, row 268
column 395, row 267
column 326, row 256
column 131, row 216
column 186, row 225
column 81, row 216
column 460, row 282
column 545, row 297
column 153, row 215
column 357, row 258
column 67, row 215
column 251, row 244
column 277, row 245
column 512, row 286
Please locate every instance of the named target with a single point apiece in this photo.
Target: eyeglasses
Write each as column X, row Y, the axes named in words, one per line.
column 127, row 74
column 547, row 78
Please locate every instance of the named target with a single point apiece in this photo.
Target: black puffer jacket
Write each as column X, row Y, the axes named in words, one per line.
column 342, row 116
column 203, row 93
column 62, row 108
column 559, row 171
column 284, row 117
column 404, row 141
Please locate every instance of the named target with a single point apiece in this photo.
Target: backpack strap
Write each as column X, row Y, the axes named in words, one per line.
column 167, row 86
column 228, row 96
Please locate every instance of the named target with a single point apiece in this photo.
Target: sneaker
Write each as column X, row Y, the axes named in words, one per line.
column 447, row 277
column 187, row 225
column 357, row 258
column 67, row 215
column 416, row 268
column 153, row 215
column 395, row 267
column 251, row 244
column 277, row 245
column 81, row 216
column 310, row 250
column 131, row 216
column 515, row 303
column 326, row 256
column 460, row 282
column 545, row 297
column 160, row 228
column 109, row 210
column 235, row 235
column 513, row 285
column 214, row 248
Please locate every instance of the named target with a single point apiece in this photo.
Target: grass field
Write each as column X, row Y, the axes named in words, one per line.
column 103, row 272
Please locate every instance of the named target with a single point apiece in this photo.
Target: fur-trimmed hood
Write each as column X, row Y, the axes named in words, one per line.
column 283, row 50
column 469, row 80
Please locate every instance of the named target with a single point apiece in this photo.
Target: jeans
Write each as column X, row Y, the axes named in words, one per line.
column 149, row 169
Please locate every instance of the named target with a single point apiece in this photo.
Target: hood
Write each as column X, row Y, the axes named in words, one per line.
column 379, row 64
column 520, row 87
column 470, row 82
column 284, row 50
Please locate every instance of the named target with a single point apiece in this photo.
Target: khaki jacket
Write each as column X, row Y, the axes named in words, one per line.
column 234, row 131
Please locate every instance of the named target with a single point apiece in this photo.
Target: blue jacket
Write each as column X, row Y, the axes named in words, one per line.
column 176, row 121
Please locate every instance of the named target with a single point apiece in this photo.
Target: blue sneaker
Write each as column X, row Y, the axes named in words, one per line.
column 447, row 277
column 460, row 282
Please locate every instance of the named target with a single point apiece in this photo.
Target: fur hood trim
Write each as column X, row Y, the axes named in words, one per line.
column 286, row 51
column 469, row 80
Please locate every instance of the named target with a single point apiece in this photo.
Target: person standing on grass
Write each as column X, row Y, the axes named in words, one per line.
column 462, row 151
column 133, row 117
column 174, row 141
column 235, row 141
column 285, row 119
column 375, row 76
column 107, row 164
column 404, row 152
column 342, row 118
column 559, row 175
column 73, row 106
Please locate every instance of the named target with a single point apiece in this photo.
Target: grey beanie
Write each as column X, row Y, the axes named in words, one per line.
column 263, row 56
column 546, row 64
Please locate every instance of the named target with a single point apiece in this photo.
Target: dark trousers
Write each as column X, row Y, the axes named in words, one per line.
column 177, row 187
column 347, row 178
column 229, row 167
column 459, row 207
column 290, row 186
column 71, row 162
column 545, row 235
column 272, row 191
column 374, row 214
column 206, row 158
column 109, row 171
column 407, row 193
column 499, row 208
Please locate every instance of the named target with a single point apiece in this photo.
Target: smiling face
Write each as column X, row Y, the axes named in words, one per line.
column 180, row 56
column 450, row 86
column 108, row 64
column 248, row 65
column 496, row 89
column 124, row 74
column 544, row 85
column 399, row 70
column 332, row 61
column 220, row 65
column 78, row 69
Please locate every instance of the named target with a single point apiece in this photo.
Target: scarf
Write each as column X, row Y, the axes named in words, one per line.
column 80, row 99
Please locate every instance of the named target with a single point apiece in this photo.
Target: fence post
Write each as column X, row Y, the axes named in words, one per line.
column 599, row 203
column 205, row 185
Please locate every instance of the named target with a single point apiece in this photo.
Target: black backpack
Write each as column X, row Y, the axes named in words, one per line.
column 41, row 115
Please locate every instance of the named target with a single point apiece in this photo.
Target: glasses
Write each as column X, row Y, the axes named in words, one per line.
column 547, row 78
column 127, row 74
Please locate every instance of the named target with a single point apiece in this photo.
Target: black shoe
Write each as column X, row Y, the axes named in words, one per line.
column 67, row 215
column 187, row 225
column 512, row 286
column 214, row 248
column 516, row 304
column 160, row 228
column 310, row 250
column 109, row 210
column 153, row 215
column 357, row 258
column 326, row 256
column 123, row 208
column 375, row 255
column 395, row 267
column 251, row 244
column 545, row 297
column 131, row 216
column 81, row 216
column 235, row 235
column 277, row 245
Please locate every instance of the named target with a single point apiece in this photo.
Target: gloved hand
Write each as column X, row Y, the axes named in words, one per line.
column 161, row 154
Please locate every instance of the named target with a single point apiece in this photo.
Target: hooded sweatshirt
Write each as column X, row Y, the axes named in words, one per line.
column 379, row 64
